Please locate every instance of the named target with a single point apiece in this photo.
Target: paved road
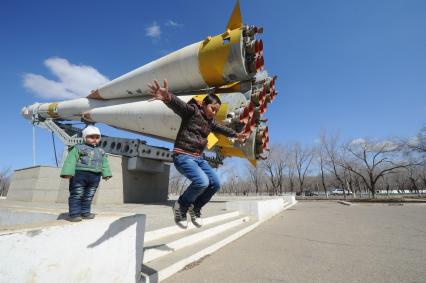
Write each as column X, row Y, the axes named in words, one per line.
column 324, row 242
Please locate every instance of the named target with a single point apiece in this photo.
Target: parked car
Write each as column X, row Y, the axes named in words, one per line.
column 310, row 193
column 339, row 192
column 307, row 193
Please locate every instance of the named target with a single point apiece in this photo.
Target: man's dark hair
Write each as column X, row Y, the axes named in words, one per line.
column 212, row 99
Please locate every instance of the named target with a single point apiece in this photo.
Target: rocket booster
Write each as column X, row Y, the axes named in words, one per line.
column 229, row 63
column 234, row 55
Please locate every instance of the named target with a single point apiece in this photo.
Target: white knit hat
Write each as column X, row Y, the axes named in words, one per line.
column 91, row 130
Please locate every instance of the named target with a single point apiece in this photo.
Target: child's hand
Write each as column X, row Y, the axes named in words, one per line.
column 160, row 93
column 106, row 178
column 66, row 177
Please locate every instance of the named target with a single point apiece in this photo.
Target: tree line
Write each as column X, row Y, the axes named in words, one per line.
column 360, row 167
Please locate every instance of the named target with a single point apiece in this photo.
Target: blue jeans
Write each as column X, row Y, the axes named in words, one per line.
column 204, row 180
column 82, row 189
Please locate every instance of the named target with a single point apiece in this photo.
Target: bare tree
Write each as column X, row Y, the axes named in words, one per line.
column 274, row 166
column 5, row 175
column 255, row 174
column 330, row 146
column 177, row 182
column 291, row 173
column 413, row 174
column 422, row 165
column 230, row 178
column 302, row 158
column 357, row 188
column 419, row 143
column 321, row 162
column 373, row 160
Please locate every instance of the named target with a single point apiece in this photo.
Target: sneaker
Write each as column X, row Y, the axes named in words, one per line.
column 180, row 215
column 195, row 214
column 88, row 215
column 76, row 218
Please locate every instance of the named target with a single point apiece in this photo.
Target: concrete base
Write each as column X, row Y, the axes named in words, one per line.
column 262, row 209
column 106, row 249
column 100, row 250
column 137, row 184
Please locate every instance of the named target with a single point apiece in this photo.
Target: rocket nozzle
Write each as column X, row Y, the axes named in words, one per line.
column 263, row 108
column 259, row 49
column 259, row 63
column 244, row 116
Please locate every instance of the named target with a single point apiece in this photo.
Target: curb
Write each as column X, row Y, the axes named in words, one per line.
column 344, row 202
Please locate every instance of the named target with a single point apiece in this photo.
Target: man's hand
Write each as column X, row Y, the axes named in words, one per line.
column 66, row 177
column 160, row 93
column 106, row 178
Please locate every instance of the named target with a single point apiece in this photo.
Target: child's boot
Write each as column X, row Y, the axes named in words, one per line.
column 75, row 218
column 195, row 214
column 88, row 215
column 180, row 215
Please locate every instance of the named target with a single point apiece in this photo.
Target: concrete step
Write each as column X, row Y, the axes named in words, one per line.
column 165, row 266
column 172, row 230
column 164, row 246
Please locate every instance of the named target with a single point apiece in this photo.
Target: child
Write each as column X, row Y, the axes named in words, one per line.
column 197, row 122
column 84, row 166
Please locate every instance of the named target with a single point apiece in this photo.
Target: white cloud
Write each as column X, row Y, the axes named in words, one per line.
column 386, row 145
column 359, row 141
column 153, row 31
column 374, row 145
column 413, row 141
column 73, row 80
column 171, row 23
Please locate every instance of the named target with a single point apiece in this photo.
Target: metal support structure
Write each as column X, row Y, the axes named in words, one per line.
column 119, row 146
column 71, row 135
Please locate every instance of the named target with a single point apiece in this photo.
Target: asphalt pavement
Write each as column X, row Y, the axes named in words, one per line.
column 324, row 242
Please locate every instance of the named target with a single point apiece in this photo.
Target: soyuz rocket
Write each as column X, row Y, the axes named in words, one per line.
column 230, row 64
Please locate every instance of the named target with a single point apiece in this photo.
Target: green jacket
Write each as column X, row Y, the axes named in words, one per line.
column 84, row 157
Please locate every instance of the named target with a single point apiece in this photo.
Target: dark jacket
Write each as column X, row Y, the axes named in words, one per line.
column 195, row 126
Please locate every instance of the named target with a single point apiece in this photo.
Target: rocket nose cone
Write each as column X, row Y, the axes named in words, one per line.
column 28, row 111
column 25, row 111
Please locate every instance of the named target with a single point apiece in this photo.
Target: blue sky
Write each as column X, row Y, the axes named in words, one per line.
column 357, row 67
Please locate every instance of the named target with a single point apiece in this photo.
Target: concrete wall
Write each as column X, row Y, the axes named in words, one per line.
column 106, row 249
column 289, row 199
column 144, row 182
column 261, row 209
column 39, row 183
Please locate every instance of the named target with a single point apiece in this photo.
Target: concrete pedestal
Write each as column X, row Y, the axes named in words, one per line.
column 106, row 249
column 134, row 181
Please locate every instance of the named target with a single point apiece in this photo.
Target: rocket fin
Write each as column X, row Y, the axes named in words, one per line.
column 235, row 21
column 232, row 151
column 211, row 140
column 223, row 141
